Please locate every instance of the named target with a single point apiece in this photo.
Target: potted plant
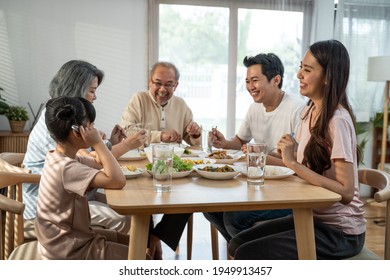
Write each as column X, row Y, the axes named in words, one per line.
column 17, row 117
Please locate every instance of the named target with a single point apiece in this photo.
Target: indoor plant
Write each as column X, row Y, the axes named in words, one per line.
column 17, row 117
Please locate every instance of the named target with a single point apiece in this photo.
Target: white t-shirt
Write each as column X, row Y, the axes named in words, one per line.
column 268, row 127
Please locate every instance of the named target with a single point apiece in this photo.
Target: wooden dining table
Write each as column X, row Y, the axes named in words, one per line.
column 197, row 194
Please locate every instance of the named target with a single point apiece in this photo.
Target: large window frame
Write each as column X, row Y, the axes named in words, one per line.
column 306, row 6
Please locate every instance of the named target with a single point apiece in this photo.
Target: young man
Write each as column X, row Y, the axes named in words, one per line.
column 273, row 114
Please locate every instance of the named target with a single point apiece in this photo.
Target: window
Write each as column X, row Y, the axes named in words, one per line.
column 208, row 40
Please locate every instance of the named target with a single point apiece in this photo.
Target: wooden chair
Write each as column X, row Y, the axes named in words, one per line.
column 13, row 158
column 214, row 240
column 379, row 180
column 12, row 230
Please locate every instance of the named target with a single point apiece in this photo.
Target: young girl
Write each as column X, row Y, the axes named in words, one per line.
column 63, row 223
column 327, row 156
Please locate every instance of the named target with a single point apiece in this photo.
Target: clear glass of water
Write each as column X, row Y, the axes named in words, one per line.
column 162, row 167
column 256, row 155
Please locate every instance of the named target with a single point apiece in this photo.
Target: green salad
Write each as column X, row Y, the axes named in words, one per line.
column 178, row 165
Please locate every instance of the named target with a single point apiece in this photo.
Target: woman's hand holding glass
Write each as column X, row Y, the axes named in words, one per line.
column 118, row 134
column 136, row 139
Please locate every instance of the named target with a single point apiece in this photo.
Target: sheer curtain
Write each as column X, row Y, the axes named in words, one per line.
column 364, row 27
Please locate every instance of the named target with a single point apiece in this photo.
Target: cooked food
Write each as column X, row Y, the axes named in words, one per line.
column 219, row 155
column 193, row 162
column 130, row 168
column 225, row 168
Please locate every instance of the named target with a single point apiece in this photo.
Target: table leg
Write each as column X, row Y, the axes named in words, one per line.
column 139, row 232
column 304, row 232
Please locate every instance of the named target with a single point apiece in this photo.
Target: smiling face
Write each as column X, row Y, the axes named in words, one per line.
column 311, row 77
column 162, row 84
column 258, row 86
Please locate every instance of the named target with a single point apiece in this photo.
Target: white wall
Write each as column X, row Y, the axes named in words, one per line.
column 38, row 36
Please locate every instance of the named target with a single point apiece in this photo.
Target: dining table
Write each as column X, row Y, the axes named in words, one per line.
column 194, row 193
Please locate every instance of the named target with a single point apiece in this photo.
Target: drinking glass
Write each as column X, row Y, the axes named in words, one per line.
column 256, row 155
column 162, row 167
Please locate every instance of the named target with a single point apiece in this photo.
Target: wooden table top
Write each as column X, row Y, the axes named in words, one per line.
column 197, row 194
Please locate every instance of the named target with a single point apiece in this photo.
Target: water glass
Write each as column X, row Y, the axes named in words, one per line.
column 162, row 167
column 256, row 155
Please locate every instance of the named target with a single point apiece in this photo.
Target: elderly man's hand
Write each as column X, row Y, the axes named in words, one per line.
column 171, row 135
column 194, row 130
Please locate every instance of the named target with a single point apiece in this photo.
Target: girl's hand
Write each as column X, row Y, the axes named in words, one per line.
column 90, row 134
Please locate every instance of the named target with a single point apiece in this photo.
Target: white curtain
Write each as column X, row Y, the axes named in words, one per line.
column 364, row 27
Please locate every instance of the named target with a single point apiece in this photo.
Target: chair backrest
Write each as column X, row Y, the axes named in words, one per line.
column 13, row 158
column 12, row 227
column 379, row 180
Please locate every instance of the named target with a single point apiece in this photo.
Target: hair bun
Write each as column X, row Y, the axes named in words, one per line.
column 66, row 112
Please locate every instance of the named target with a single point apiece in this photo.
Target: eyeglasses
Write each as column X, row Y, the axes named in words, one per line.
column 168, row 86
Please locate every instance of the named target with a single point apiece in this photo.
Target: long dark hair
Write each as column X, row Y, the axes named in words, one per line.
column 334, row 59
column 63, row 112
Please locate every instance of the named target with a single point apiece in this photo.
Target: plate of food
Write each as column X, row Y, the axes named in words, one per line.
column 221, row 156
column 193, row 153
column 131, row 171
column 133, row 155
column 181, row 168
column 217, row 171
column 277, row 172
column 197, row 160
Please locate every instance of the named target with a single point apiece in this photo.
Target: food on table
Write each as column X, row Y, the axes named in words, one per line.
column 194, row 162
column 130, row 168
column 179, row 165
column 220, row 155
column 225, row 168
column 187, row 152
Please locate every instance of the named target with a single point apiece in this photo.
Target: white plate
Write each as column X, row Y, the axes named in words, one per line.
column 277, row 172
column 195, row 153
column 133, row 155
column 131, row 174
column 216, row 175
column 227, row 161
column 175, row 175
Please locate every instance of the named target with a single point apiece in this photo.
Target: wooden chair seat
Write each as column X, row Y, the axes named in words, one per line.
column 26, row 251
column 380, row 181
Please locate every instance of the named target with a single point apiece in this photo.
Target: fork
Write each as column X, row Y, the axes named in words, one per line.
column 292, row 134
